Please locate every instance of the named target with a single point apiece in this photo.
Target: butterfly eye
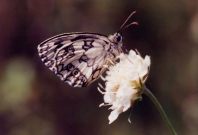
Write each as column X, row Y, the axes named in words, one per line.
column 119, row 38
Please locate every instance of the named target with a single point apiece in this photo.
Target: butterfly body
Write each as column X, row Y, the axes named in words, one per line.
column 79, row 58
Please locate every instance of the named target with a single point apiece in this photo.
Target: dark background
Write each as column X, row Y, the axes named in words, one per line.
column 33, row 101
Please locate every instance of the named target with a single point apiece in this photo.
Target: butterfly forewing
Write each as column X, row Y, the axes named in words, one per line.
column 76, row 58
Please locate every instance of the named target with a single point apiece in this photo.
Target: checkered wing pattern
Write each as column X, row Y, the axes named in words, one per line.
column 76, row 58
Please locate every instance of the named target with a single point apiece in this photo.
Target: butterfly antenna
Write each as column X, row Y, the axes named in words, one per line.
column 124, row 26
column 133, row 23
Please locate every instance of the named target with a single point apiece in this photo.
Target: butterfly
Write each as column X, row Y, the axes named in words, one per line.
column 80, row 58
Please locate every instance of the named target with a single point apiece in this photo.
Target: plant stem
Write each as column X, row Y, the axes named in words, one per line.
column 160, row 109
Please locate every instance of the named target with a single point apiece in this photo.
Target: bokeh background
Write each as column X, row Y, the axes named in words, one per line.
column 33, row 101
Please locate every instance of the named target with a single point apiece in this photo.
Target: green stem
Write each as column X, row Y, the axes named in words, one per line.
column 160, row 109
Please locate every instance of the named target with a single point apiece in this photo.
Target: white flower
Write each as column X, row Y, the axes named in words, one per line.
column 124, row 82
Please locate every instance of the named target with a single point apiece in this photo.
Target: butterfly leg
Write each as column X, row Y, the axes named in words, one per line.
column 102, row 78
column 111, row 62
column 101, row 87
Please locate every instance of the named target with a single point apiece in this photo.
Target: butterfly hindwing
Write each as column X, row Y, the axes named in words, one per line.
column 76, row 58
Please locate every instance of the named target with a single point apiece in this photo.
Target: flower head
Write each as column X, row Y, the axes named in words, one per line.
column 124, row 82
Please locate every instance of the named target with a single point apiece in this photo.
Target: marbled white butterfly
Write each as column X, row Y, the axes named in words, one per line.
column 80, row 58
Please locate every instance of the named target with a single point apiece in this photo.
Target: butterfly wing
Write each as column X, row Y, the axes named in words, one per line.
column 76, row 58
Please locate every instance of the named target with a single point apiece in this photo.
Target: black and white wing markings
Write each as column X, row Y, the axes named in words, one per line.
column 76, row 58
column 80, row 58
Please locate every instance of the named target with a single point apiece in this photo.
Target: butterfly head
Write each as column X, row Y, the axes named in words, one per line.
column 116, row 38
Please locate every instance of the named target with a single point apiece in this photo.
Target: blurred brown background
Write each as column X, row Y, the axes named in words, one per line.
column 33, row 101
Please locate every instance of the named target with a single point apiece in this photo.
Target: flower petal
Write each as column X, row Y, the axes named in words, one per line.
column 113, row 116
